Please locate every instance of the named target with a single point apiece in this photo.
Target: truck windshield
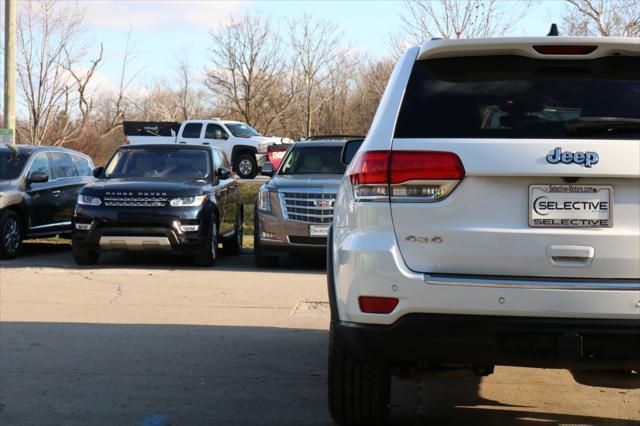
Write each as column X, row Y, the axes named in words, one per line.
column 177, row 164
column 517, row 98
column 313, row 160
column 11, row 164
column 241, row 130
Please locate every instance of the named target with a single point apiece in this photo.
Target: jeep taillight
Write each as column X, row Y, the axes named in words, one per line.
column 405, row 176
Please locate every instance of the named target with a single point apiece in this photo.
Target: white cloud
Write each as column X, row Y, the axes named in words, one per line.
column 158, row 15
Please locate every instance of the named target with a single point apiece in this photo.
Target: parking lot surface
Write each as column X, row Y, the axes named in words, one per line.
column 156, row 342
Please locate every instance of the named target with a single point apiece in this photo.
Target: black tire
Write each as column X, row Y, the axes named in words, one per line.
column 359, row 391
column 208, row 256
column 246, row 166
column 233, row 245
column 10, row 234
column 261, row 260
column 83, row 256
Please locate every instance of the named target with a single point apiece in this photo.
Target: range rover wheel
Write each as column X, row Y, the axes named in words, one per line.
column 84, row 256
column 245, row 166
column 208, row 257
column 10, row 235
column 233, row 245
column 359, row 391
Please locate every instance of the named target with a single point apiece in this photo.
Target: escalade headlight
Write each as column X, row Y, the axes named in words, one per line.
column 89, row 200
column 193, row 201
column 264, row 200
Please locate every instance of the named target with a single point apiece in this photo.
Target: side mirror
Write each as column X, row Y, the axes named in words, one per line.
column 38, row 177
column 223, row 173
column 98, row 171
column 349, row 150
column 267, row 169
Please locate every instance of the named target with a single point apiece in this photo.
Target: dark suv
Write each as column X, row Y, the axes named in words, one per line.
column 160, row 198
column 38, row 189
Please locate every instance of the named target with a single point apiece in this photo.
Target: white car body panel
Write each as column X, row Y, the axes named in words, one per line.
column 484, row 222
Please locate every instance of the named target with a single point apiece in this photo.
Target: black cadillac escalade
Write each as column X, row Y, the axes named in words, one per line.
column 160, row 198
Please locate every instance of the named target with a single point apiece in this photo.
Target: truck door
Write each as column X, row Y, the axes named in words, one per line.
column 216, row 136
column 191, row 134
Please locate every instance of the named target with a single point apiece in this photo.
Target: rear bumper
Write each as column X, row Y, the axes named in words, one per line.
column 493, row 340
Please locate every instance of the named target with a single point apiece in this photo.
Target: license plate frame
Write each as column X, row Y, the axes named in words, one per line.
column 540, row 195
column 318, row 230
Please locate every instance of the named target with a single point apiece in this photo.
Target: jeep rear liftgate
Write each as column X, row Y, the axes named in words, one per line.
column 549, row 150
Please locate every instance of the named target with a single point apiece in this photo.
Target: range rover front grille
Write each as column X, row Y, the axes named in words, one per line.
column 135, row 201
column 308, row 207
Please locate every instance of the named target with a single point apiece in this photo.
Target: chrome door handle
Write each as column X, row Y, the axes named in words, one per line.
column 56, row 192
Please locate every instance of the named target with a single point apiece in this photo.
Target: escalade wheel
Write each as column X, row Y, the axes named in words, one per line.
column 359, row 391
column 261, row 260
column 246, row 166
column 233, row 245
column 208, row 257
column 83, row 256
column 10, row 234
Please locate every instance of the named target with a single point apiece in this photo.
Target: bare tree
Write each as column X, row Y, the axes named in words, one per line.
column 426, row 19
column 316, row 45
column 48, row 47
column 247, row 65
column 603, row 18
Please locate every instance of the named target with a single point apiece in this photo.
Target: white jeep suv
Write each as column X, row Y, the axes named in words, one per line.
column 490, row 217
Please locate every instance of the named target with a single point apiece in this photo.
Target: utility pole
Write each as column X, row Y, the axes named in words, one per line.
column 10, row 66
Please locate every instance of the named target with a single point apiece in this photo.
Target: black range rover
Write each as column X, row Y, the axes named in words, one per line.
column 160, row 198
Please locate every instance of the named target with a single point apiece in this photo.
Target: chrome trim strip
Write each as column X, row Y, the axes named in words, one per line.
column 109, row 242
column 531, row 283
column 50, row 225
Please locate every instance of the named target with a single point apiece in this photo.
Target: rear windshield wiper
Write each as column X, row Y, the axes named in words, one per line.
column 608, row 124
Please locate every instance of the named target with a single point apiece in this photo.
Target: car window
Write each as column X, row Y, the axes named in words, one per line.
column 62, row 165
column 313, row 160
column 214, row 131
column 217, row 160
column 192, row 130
column 11, row 164
column 83, row 166
column 516, row 97
column 165, row 163
column 225, row 161
column 241, row 130
column 41, row 164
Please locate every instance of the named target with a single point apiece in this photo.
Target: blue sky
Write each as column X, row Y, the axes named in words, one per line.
column 163, row 30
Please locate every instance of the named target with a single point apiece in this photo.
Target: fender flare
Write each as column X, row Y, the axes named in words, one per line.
column 331, row 284
column 242, row 149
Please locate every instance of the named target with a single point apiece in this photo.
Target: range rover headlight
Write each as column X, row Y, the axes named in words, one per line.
column 192, row 201
column 88, row 200
column 264, row 200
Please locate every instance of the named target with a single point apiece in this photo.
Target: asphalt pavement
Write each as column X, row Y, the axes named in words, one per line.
column 153, row 341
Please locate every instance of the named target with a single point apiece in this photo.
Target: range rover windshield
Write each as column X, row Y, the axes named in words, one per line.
column 305, row 160
column 175, row 164
column 516, row 97
column 11, row 164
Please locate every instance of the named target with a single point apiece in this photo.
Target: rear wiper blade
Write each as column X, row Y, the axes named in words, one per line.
column 609, row 124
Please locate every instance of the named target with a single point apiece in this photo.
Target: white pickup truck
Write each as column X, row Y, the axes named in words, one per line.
column 242, row 144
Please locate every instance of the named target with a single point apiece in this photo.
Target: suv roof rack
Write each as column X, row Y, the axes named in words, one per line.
column 330, row 137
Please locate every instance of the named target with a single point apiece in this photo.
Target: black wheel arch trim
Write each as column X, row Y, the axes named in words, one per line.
column 331, row 285
column 242, row 149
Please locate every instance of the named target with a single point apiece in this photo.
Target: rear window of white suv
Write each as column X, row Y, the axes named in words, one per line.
column 517, row 97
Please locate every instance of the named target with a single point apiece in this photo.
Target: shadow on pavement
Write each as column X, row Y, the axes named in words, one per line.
column 58, row 255
column 125, row 374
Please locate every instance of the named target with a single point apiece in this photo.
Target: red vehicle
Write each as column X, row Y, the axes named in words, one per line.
column 276, row 153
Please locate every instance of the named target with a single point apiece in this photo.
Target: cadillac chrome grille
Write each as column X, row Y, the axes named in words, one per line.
column 308, row 207
column 130, row 199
